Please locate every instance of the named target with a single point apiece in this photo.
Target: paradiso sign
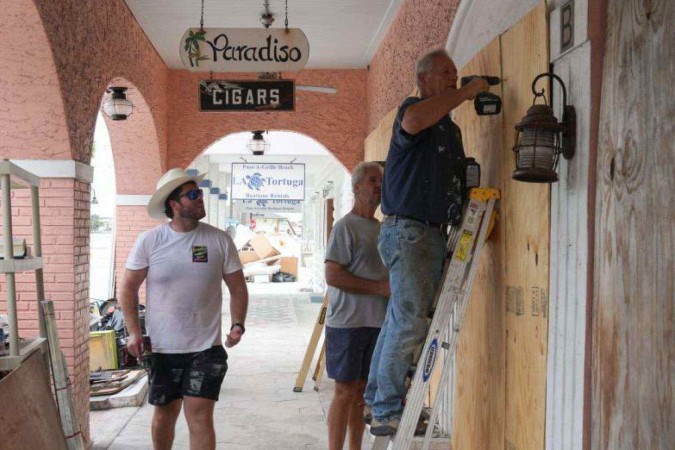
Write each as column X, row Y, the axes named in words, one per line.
column 244, row 49
column 265, row 181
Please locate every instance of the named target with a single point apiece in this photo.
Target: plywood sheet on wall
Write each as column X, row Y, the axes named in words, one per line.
column 526, row 211
column 479, row 394
column 633, row 346
column 376, row 145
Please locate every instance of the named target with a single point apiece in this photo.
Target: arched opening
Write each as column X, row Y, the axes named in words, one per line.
column 283, row 239
column 137, row 156
column 102, row 216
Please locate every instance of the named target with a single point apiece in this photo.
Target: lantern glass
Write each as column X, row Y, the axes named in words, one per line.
column 536, row 149
column 117, row 108
column 257, row 145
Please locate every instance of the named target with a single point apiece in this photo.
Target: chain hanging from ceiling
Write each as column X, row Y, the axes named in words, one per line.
column 286, row 21
column 201, row 21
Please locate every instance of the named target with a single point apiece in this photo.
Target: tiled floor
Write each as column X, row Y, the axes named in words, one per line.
column 258, row 408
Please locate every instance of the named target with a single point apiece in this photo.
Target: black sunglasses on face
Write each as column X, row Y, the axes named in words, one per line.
column 192, row 194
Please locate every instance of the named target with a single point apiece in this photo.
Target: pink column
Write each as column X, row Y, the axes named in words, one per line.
column 64, row 216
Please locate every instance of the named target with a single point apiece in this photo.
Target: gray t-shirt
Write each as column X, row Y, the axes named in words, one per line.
column 353, row 245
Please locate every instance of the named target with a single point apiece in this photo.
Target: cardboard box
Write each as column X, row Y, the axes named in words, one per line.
column 248, row 256
column 262, row 247
column 289, row 264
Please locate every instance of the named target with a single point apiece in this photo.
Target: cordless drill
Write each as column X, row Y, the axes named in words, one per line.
column 486, row 103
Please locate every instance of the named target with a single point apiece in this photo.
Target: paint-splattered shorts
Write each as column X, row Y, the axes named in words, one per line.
column 174, row 376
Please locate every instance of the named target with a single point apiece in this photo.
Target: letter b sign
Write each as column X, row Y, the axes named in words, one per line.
column 566, row 26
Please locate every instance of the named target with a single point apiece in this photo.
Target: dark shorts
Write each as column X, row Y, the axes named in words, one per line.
column 349, row 351
column 174, row 376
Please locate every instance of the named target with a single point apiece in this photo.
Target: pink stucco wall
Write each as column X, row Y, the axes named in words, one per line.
column 93, row 43
column 30, row 93
column 335, row 120
column 418, row 26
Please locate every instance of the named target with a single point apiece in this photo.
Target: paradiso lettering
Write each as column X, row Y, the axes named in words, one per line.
column 244, row 49
column 268, row 181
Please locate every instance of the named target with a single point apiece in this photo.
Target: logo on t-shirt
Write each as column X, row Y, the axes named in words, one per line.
column 200, row 253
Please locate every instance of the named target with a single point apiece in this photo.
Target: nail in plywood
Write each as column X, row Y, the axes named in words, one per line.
column 633, row 352
column 526, row 214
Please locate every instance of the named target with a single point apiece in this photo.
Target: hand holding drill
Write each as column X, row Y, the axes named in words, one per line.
column 485, row 103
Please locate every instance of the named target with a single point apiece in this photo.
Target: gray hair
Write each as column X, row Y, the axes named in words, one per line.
column 359, row 172
column 426, row 62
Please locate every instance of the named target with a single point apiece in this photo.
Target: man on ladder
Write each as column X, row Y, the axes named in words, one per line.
column 358, row 288
column 423, row 192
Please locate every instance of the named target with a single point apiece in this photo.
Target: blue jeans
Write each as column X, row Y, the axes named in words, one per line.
column 414, row 254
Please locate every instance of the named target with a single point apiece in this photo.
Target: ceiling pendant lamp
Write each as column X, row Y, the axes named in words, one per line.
column 117, row 106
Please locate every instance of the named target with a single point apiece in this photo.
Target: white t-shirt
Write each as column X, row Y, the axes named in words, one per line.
column 184, row 285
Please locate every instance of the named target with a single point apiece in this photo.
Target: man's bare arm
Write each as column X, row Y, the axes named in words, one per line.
column 133, row 279
column 236, row 284
column 339, row 277
column 423, row 114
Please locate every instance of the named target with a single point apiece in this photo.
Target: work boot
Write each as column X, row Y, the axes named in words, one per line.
column 389, row 428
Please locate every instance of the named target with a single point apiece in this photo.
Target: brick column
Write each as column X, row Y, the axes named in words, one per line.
column 131, row 220
column 64, row 216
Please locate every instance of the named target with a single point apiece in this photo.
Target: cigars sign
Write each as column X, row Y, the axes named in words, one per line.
column 244, row 49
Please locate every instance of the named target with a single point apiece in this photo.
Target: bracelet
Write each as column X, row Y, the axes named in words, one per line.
column 240, row 325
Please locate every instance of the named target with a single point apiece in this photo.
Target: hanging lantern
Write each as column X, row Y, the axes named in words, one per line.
column 541, row 139
column 117, row 106
column 258, row 145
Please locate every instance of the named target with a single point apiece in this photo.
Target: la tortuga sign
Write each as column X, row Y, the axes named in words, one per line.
column 244, row 49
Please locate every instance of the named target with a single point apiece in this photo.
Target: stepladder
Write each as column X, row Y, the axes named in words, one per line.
column 452, row 297
column 311, row 349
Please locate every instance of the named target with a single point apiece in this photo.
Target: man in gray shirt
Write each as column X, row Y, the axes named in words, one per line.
column 358, row 287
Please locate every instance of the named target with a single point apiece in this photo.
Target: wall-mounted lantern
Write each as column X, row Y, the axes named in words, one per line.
column 541, row 138
column 258, row 145
column 117, row 106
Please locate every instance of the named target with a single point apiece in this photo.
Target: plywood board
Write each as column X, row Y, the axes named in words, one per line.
column 28, row 414
column 633, row 357
column 479, row 394
column 376, row 145
column 526, row 212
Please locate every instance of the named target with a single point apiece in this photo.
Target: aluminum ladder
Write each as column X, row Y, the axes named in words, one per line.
column 452, row 298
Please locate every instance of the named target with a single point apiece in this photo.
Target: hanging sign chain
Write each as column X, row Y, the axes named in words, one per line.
column 201, row 22
column 286, row 21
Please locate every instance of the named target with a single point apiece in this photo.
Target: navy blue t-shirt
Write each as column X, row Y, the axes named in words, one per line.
column 425, row 174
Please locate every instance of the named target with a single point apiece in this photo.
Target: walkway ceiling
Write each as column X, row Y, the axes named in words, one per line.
column 341, row 34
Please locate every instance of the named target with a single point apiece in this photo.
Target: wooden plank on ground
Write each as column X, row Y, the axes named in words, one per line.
column 29, row 418
column 479, row 393
column 526, row 211
column 633, row 357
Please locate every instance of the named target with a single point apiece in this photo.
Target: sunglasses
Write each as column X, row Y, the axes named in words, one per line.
column 193, row 194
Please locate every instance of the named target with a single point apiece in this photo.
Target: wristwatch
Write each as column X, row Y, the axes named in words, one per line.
column 240, row 325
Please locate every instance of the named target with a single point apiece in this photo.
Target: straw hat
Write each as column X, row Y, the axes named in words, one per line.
column 165, row 186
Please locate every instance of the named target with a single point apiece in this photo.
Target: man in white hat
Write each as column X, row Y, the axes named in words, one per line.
column 183, row 262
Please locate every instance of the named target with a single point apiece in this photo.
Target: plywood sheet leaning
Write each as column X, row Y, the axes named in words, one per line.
column 526, row 214
column 479, row 393
column 633, row 345
column 28, row 414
